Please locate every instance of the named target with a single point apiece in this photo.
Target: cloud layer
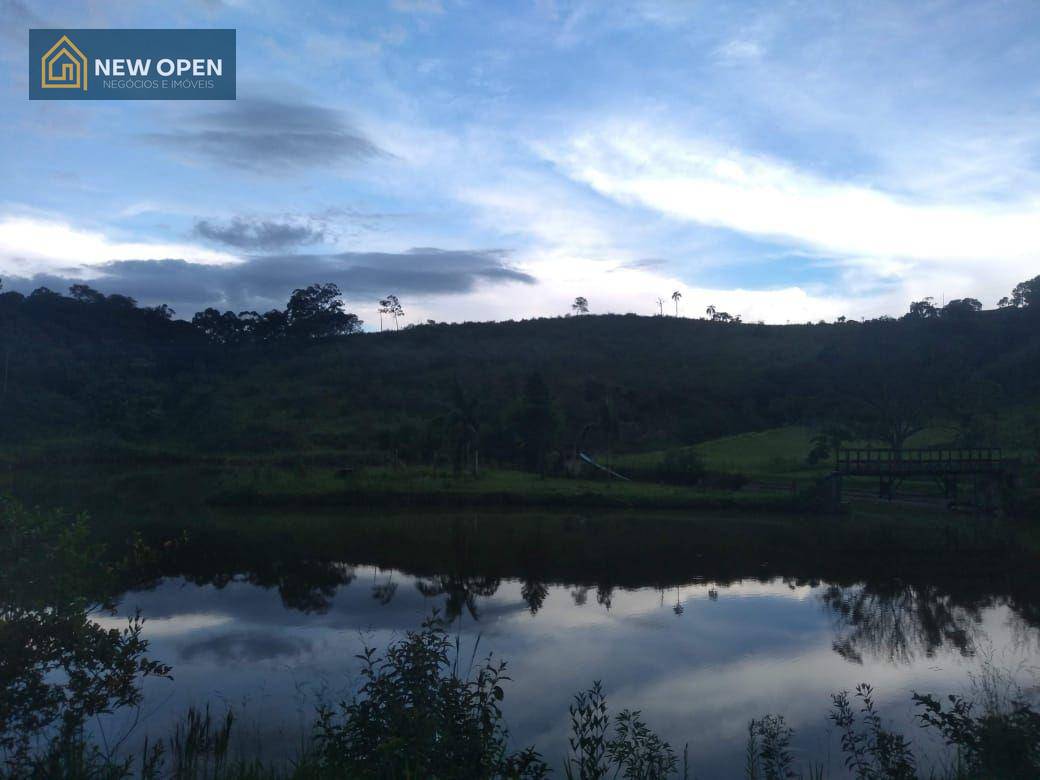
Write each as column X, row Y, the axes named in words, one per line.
column 784, row 162
column 267, row 135
column 261, row 234
column 689, row 179
column 266, row 281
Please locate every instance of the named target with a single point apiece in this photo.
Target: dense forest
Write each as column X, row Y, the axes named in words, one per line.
column 89, row 369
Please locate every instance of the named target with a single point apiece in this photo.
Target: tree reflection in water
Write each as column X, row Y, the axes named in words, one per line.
column 533, row 593
column 896, row 621
column 460, row 592
column 384, row 592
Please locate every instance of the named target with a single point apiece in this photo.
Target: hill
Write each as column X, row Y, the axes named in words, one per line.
column 95, row 371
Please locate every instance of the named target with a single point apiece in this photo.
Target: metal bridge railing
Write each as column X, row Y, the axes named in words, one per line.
column 919, row 461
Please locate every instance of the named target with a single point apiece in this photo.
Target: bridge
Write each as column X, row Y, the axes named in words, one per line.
column 985, row 468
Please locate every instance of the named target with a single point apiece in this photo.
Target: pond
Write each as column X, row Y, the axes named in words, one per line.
column 700, row 622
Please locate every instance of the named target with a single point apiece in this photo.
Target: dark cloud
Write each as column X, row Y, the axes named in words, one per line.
column 265, row 281
column 643, row 263
column 269, row 135
column 263, row 234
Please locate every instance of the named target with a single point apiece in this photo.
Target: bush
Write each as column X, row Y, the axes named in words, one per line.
column 634, row 751
column 414, row 716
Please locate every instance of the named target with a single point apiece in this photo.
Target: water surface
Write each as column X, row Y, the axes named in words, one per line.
column 700, row 622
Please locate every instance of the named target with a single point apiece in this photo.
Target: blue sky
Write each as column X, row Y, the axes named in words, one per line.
column 785, row 161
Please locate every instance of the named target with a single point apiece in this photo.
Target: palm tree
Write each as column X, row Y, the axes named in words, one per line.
column 391, row 306
column 396, row 310
column 675, row 297
column 711, row 311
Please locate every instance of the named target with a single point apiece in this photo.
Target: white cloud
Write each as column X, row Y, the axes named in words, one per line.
column 613, row 288
column 31, row 245
column 540, row 210
column 740, row 49
column 696, row 181
column 965, row 247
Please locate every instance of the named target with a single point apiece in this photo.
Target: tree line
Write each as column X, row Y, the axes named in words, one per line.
column 532, row 393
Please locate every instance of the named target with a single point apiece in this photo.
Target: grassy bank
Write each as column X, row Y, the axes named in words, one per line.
column 273, row 487
column 764, row 471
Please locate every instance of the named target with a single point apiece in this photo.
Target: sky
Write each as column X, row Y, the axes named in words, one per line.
column 784, row 161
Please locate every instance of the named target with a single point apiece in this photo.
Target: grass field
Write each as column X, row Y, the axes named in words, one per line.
column 269, row 486
column 773, row 461
column 778, row 452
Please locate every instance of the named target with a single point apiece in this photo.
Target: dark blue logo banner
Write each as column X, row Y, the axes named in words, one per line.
column 131, row 64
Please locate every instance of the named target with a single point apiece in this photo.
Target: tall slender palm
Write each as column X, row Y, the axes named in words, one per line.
column 391, row 306
column 675, row 297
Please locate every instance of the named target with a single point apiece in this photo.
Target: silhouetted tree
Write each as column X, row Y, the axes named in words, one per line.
column 209, row 322
column 922, row 310
column 720, row 316
column 85, row 294
column 161, row 312
column 675, row 297
column 390, row 306
column 881, row 404
column 1025, row 294
column 121, row 302
column 580, row 305
column 317, row 311
column 959, row 308
column 224, row 328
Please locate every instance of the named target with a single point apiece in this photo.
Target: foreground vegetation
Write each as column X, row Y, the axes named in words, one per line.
column 417, row 715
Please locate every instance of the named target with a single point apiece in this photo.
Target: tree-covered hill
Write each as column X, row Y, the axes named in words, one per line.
column 86, row 367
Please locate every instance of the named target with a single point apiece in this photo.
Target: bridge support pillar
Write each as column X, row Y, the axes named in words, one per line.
column 886, row 487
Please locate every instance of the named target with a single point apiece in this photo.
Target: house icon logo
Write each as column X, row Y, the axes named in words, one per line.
column 63, row 66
